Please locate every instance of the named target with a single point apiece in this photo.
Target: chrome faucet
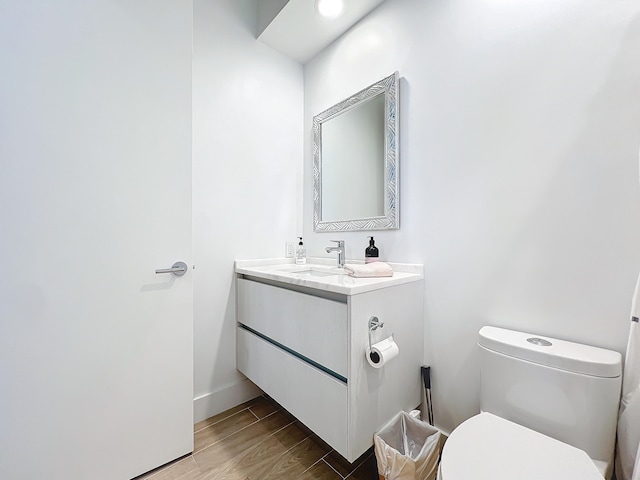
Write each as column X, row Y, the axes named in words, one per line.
column 340, row 249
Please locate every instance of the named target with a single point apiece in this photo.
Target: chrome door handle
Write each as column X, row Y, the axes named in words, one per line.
column 178, row 269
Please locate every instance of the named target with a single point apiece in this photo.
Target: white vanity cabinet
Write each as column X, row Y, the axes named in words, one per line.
column 303, row 343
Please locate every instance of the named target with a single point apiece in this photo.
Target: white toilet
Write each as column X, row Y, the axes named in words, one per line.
column 549, row 411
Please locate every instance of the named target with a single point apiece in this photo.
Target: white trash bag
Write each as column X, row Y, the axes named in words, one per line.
column 408, row 449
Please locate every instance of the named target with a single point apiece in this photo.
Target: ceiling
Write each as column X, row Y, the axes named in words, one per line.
column 297, row 30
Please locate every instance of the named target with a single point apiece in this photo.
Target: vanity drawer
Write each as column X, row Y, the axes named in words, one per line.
column 311, row 326
column 314, row 397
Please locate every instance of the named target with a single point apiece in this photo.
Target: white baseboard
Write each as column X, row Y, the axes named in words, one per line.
column 211, row 404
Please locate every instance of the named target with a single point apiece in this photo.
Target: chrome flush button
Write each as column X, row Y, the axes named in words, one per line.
column 541, row 342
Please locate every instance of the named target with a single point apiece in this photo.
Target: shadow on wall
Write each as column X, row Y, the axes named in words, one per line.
column 467, row 379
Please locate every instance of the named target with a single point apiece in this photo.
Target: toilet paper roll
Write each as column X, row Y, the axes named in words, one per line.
column 382, row 352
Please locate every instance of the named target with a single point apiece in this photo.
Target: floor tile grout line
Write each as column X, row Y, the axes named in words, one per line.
column 163, row 468
column 222, row 420
column 224, row 438
column 247, row 426
column 248, row 407
column 317, row 462
column 323, row 458
column 254, row 413
column 196, row 460
column 259, row 443
column 276, row 431
column 294, row 446
column 331, row 466
column 357, row 465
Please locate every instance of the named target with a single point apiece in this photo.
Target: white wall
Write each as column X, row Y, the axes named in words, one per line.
column 519, row 179
column 247, row 146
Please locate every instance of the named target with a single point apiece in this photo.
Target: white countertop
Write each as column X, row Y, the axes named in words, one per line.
column 324, row 274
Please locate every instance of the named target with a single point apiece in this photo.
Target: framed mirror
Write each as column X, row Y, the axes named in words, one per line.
column 355, row 161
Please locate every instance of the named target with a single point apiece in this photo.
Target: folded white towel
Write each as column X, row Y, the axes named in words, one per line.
column 375, row 269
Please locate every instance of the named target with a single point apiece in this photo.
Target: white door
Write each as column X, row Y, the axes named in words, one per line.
column 95, row 194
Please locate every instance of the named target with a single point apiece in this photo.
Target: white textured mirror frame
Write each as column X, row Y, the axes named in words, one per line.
column 389, row 219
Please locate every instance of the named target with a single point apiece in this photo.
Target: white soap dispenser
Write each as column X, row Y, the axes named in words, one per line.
column 301, row 253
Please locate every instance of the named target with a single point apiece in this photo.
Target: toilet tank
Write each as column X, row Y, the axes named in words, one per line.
column 562, row 389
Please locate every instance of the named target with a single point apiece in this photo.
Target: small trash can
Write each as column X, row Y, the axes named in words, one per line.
column 408, row 449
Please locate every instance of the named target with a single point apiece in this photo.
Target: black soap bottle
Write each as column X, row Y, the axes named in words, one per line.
column 371, row 253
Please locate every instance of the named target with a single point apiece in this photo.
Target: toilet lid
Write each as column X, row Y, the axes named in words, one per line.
column 487, row 447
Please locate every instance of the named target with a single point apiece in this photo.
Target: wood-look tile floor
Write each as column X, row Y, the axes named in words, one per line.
column 260, row 440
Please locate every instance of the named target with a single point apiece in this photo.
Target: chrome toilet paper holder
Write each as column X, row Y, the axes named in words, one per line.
column 374, row 324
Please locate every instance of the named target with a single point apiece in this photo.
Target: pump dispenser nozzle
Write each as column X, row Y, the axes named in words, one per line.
column 301, row 253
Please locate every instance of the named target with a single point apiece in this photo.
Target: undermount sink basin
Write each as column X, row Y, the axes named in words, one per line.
column 313, row 271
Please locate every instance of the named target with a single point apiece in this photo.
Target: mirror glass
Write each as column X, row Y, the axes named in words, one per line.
column 355, row 161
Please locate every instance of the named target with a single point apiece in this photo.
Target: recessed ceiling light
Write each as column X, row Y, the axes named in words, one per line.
column 329, row 8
